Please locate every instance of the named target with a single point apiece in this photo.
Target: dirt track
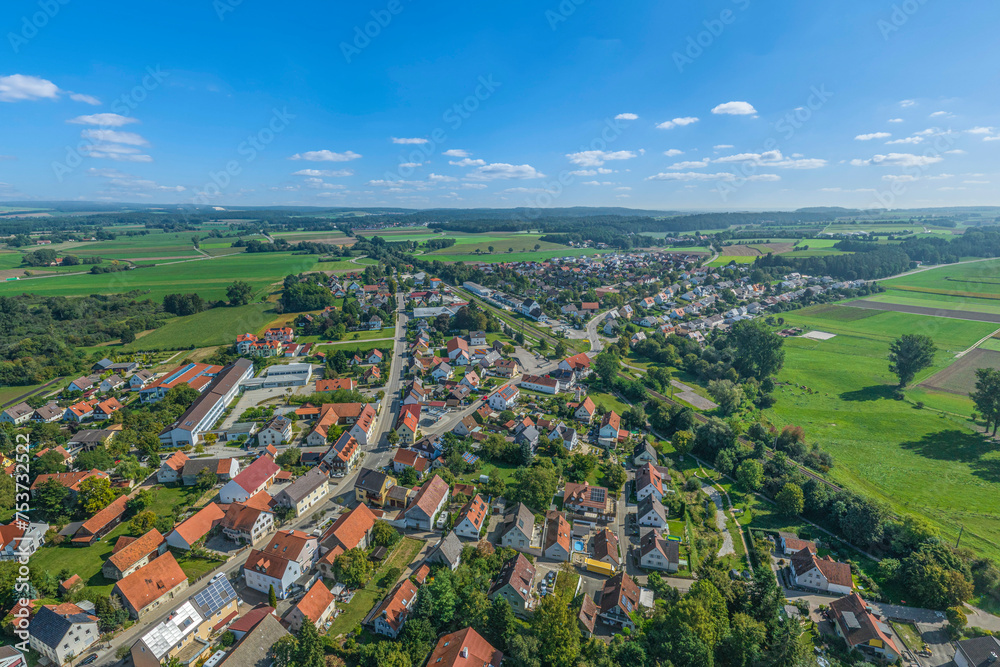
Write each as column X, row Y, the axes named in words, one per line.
column 921, row 310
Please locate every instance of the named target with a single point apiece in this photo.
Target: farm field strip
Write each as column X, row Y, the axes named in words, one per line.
column 939, row 301
column 929, row 312
column 960, row 377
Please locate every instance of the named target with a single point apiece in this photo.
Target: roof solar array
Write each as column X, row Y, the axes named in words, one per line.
column 216, row 596
column 597, row 494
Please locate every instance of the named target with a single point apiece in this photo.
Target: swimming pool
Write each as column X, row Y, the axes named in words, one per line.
column 579, row 545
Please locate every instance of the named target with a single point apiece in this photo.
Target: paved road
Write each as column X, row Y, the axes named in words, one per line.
column 596, row 344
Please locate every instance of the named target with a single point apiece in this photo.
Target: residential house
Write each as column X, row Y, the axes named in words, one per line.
column 649, row 482
column 605, row 548
column 976, row 652
column 18, row 539
column 255, row 478
column 188, row 532
column 63, row 632
column 447, row 552
column 134, row 554
column 140, row 379
column 545, row 385
column 111, row 383
column 80, row 412
column 256, row 648
column 305, row 492
column 343, row 455
column 458, row 352
column 70, row 480
column 153, row 584
column 316, row 607
column 514, row 584
column 170, row 470
column 17, row 414
column 360, row 417
column 375, row 357
column 620, row 598
column 656, row 553
column 825, row 574
column 506, row 368
column 390, row 614
column 277, row 431
column 583, row 498
column 245, row 524
column 557, row 544
column 104, row 409
column 223, row 469
column 854, row 622
column 651, row 513
column 443, row 372
column 518, row 527
column 568, row 436
column 791, row 544
column 371, row 487
column 426, row 504
column 408, row 423
column 83, row 383
column 472, row 518
column 347, row 384
column 644, row 452
column 48, row 413
column 465, row 648
column 578, row 364
column 610, row 430
column 351, row 530
column 504, row 398
column 101, row 523
column 585, row 410
column 587, row 617
column 407, row 458
column 289, row 555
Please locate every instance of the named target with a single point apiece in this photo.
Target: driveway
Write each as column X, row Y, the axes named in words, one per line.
column 720, row 520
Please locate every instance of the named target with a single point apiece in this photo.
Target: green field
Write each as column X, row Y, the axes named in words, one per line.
column 970, row 277
column 218, row 326
column 919, row 461
column 942, row 301
column 209, row 278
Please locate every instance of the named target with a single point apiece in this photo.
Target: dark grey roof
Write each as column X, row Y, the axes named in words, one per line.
column 194, row 466
column 518, row 516
column 979, row 652
column 50, row 627
column 370, row 480
column 644, row 446
column 650, row 503
column 90, row 436
column 530, row 435
column 254, row 650
column 306, row 484
column 448, row 551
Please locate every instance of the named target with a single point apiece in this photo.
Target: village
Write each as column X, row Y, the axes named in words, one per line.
column 331, row 499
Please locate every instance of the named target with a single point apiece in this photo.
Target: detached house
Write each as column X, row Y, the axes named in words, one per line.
column 610, row 430
column 390, row 615
column 620, row 598
column 504, row 398
column 351, row 530
column 134, row 553
column 157, row 582
column 257, row 477
column 316, row 607
column 825, row 574
column 656, row 553
column 518, row 527
column 557, row 544
column 862, row 630
column 426, row 504
column 62, row 632
column 171, row 469
column 514, row 584
column 17, row 415
column 305, row 492
column 649, row 482
column 472, row 518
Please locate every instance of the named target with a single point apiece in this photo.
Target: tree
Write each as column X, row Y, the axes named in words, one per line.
column 239, row 293
column 909, row 354
column 790, row 499
column 501, row 624
column 759, row 352
column 408, row 477
column 384, row 535
column 750, row 475
column 554, row 624
column 392, row 438
column 682, row 442
column 206, row 479
column 560, row 349
column 727, row 394
column 272, row 597
column 383, row 654
column 614, row 477
column 535, row 486
column 352, row 568
column 987, row 396
column 309, row 649
column 606, row 364
column 142, row 522
column 714, row 435
column 95, row 494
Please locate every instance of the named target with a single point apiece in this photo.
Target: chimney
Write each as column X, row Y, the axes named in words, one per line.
column 465, row 652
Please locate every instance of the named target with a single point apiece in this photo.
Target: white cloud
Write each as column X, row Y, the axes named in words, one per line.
column 673, row 152
column 456, row 152
column 735, row 109
column 907, row 140
column 410, row 140
column 473, row 186
column 977, row 182
column 980, row 130
column 941, row 114
column 873, row 135
column 957, row 151
column 899, row 178
column 116, row 137
column 396, row 184
column 19, row 88
column 330, row 173
column 584, row 172
column 438, row 178
column 721, row 176
column 991, row 138
column 720, row 147
column 103, row 119
column 624, row 188
column 86, row 99
column 677, row 122
column 895, row 120
column 907, row 103
column 320, row 184
column 325, row 156
column 598, row 158
column 626, row 116
column 410, row 165
column 467, row 162
column 690, row 164
column 898, row 160
column 503, row 171
column 116, row 152
column 773, row 159
column 121, row 181
column 524, row 190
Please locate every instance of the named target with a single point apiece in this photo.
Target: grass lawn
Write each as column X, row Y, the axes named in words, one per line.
column 504, row 471
column 909, row 634
column 918, row 461
column 218, row 326
column 208, row 277
column 364, row 599
column 609, row 401
column 566, row 583
column 351, row 346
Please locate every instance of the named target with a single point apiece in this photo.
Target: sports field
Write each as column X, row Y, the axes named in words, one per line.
column 207, row 277
column 919, row 461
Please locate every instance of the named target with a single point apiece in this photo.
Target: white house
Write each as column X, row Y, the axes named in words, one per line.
column 255, row 478
column 504, row 398
column 471, row 518
column 825, row 574
column 650, row 513
column 648, row 483
column 17, row 414
column 656, row 553
column 275, row 432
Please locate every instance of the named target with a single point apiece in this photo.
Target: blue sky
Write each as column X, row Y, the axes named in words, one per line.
column 726, row 104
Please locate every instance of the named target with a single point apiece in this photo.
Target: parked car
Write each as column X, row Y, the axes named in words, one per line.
column 89, row 659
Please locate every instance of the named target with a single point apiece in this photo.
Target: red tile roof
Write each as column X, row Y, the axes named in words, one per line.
column 315, row 602
column 350, row 528
column 333, row 385
column 257, row 473
column 71, row 480
column 176, row 461
column 465, row 648
column 396, row 605
column 475, row 511
column 196, row 527
column 145, row 545
column 835, row 572
column 249, row 620
column 430, row 496
column 152, row 581
column 107, row 515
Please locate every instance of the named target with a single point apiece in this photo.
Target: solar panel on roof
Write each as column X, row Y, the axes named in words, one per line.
column 469, row 458
column 851, row 621
column 597, row 495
